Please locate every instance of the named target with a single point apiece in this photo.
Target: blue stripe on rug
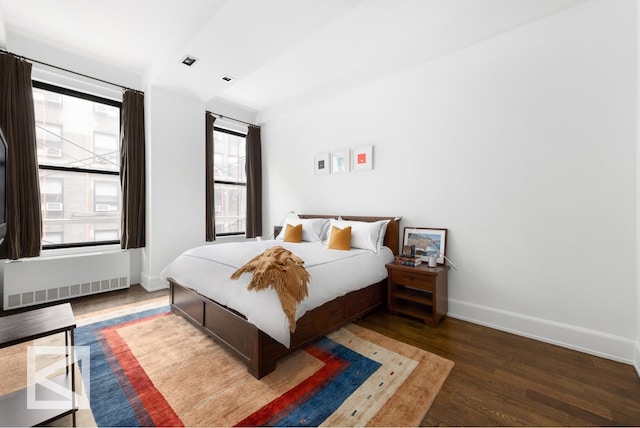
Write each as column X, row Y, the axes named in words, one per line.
column 318, row 405
column 113, row 407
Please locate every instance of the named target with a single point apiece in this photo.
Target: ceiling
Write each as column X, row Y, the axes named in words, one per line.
column 280, row 53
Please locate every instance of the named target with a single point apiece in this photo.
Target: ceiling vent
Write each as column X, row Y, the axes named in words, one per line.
column 226, row 78
column 189, row 60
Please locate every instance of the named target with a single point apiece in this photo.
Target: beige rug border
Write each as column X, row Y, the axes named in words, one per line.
column 408, row 409
column 120, row 310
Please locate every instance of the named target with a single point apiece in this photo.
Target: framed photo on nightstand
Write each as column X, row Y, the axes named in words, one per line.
column 428, row 242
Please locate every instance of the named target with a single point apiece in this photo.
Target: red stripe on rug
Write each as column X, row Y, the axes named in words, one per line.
column 333, row 367
column 153, row 401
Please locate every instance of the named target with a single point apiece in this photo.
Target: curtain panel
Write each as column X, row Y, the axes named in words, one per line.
column 254, row 182
column 132, row 171
column 210, row 220
column 17, row 119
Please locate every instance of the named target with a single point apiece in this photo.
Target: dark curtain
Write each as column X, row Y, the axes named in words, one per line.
column 132, row 170
column 210, row 221
column 17, row 119
column 254, row 183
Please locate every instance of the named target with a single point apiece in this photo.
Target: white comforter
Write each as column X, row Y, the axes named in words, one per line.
column 334, row 273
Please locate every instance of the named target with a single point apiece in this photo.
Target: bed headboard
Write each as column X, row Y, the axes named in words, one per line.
column 391, row 238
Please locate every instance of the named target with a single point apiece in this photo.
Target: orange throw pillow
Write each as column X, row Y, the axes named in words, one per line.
column 293, row 233
column 340, row 239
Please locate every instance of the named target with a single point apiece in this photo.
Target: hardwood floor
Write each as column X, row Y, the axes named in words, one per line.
column 113, row 299
column 502, row 379
column 499, row 379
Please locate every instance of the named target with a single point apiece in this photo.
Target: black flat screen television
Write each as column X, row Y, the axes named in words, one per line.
column 3, row 180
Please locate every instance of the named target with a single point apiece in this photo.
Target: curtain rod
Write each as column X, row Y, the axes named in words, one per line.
column 69, row 71
column 219, row 116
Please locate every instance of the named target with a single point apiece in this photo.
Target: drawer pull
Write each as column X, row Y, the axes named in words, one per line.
column 335, row 312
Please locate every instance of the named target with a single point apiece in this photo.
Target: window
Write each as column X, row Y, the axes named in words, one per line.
column 230, row 182
column 51, row 196
column 78, row 139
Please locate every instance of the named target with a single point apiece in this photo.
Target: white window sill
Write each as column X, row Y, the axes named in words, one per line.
column 57, row 252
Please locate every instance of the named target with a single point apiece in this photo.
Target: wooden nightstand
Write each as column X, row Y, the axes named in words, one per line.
column 419, row 291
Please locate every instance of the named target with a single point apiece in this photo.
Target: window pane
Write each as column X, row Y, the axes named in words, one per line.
column 229, row 157
column 106, row 149
column 75, row 132
column 49, row 141
column 79, row 207
column 230, row 208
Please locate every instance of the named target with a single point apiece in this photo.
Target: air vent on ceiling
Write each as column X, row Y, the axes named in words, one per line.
column 226, row 78
column 189, row 60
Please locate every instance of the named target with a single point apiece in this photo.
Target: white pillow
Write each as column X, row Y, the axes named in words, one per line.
column 313, row 229
column 364, row 234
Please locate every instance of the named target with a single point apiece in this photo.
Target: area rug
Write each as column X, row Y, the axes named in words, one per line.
column 153, row 368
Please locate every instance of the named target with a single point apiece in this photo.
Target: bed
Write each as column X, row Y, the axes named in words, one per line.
column 224, row 320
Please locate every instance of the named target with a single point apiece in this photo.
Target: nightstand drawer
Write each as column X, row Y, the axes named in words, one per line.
column 412, row 279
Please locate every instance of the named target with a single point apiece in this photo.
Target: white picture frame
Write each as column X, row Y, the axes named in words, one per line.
column 363, row 158
column 322, row 164
column 340, row 161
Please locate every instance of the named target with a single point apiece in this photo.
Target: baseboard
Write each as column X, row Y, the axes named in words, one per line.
column 152, row 283
column 568, row 336
column 637, row 358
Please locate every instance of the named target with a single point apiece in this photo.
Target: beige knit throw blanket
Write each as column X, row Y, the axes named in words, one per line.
column 282, row 270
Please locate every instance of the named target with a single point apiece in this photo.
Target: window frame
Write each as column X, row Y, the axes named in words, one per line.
column 88, row 97
column 228, row 182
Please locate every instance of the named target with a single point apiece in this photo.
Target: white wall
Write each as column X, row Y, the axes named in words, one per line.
column 524, row 147
column 39, row 50
column 176, row 180
column 637, row 344
column 176, row 177
column 3, row 32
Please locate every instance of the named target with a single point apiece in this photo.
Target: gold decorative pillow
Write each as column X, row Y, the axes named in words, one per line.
column 293, row 233
column 340, row 239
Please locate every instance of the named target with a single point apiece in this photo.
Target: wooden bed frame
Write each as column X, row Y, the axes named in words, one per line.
column 258, row 350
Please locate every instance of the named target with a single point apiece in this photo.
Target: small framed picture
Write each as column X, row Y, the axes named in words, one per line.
column 340, row 161
column 322, row 165
column 409, row 250
column 363, row 158
column 428, row 242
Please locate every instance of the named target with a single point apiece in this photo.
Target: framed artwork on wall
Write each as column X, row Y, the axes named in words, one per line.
column 322, row 165
column 340, row 161
column 428, row 241
column 363, row 158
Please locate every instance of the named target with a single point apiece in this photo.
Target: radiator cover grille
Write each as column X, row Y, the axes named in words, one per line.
column 36, row 281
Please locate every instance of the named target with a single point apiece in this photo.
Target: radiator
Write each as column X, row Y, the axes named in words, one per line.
column 47, row 279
